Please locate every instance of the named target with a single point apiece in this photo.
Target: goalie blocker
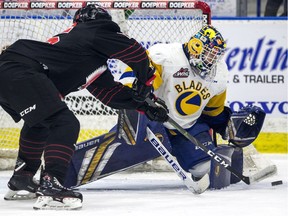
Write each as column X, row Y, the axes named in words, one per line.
column 126, row 146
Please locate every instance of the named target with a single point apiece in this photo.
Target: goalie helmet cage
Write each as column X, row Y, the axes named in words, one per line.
column 149, row 22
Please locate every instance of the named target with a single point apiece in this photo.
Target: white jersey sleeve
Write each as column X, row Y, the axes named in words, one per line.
column 158, row 55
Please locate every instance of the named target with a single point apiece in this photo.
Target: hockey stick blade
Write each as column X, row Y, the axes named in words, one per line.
column 196, row 187
column 212, row 154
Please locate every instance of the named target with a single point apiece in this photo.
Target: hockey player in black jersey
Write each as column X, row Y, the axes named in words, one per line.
column 34, row 78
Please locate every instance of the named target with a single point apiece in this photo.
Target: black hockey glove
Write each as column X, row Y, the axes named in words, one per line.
column 157, row 113
column 142, row 90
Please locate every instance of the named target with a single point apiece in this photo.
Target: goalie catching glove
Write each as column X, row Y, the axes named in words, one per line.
column 158, row 113
column 245, row 125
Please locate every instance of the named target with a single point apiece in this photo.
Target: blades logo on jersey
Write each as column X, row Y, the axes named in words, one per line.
column 182, row 73
column 188, row 103
column 191, row 94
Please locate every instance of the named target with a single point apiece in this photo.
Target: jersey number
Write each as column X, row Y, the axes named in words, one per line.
column 56, row 39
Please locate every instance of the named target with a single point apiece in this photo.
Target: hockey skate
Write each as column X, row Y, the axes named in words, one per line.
column 52, row 195
column 22, row 185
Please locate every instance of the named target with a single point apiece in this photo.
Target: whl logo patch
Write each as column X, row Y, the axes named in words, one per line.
column 182, row 73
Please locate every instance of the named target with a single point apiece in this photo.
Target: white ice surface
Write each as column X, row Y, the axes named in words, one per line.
column 161, row 194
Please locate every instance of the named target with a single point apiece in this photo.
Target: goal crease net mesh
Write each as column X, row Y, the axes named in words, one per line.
column 148, row 22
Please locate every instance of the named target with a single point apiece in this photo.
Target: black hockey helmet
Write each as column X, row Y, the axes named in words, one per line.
column 91, row 12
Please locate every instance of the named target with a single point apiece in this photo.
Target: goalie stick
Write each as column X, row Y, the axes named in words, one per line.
column 247, row 179
column 196, row 187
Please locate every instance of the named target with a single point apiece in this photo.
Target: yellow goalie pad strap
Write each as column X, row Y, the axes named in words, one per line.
column 215, row 105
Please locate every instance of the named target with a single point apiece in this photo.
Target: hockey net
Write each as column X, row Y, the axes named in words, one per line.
column 148, row 22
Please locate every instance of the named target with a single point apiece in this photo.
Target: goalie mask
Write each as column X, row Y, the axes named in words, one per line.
column 205, row 49
column 91, row 12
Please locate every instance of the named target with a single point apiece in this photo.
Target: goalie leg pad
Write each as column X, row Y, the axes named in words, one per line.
column 219, row 176
column 188, row 154
column 237, row 163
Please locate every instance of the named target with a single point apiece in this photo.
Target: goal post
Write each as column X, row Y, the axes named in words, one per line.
column 149, row 22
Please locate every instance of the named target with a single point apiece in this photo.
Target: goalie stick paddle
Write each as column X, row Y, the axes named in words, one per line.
column 196, row 187
column 214, row 156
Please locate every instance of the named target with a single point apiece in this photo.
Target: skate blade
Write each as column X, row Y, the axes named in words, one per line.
column 19, row 195
column 47, row 203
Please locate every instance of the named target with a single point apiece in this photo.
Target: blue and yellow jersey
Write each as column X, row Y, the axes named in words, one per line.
column 186, row 95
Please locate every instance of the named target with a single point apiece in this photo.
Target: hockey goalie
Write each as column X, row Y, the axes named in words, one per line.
column 126, row 146
column 190, row 81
